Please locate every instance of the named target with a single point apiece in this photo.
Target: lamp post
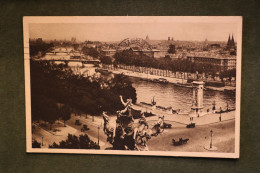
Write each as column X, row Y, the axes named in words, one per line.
column 211, row 147
column 211, row 132
column 98, row 134
column 42, row 140
column 182, row 77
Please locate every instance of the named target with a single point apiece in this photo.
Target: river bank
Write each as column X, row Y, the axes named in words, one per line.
column 173, row 80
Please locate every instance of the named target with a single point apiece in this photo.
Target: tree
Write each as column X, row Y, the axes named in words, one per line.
column 52, row 84
column 106, row 60
column 172, row 49
column 90, row 51
column 36, row 144
column 39, row 46
column 49, row 111
column 65, row 113
column 122, row 85
column 75, row 46
column 75, row 142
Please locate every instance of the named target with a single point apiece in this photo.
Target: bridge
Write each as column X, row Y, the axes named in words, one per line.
column 66, row 60
column 139, row 43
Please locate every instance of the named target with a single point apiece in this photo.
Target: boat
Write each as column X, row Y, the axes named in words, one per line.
column 224, row 111
column 164, row 108
column 160, row 80
column 148, row 114
column 153, row 102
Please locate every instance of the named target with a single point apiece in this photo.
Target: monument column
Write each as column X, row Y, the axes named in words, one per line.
column 197, row 101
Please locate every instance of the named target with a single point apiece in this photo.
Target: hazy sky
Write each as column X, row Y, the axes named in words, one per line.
column 120, row 31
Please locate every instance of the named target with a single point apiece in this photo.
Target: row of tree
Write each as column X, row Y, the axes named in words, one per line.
column 75, row 142
column 128, row 57
column 56, row 92
column 72, row 142
column 39, row 46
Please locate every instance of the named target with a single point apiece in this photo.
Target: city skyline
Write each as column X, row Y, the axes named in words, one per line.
column 106, row 32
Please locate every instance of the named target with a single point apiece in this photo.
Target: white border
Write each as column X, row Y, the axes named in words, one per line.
column 132, row 19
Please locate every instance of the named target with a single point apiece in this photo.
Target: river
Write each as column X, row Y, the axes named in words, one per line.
column 178, row 97
column 175, row 96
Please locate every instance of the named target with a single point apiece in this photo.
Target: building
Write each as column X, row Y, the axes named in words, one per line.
column 108, row 52
column 231, row 43
column 223, row 62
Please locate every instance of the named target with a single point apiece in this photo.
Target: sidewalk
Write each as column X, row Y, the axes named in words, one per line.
column 181, row 118
column 184, row 118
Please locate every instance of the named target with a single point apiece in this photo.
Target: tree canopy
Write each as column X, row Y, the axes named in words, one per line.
column 53, row 84
column 129, row 57
column 75, row 142
column 90, row 51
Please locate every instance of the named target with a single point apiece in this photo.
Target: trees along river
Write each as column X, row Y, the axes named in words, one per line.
column 166, row 64
column 54, row 84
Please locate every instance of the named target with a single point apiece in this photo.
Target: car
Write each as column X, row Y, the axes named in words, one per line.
column 77, row 122
column 191, row 125
column 85, row 127
column 167, row 125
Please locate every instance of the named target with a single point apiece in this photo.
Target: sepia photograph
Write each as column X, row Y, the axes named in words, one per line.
column 133, row 85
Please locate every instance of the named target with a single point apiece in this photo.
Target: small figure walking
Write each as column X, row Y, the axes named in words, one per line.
column 220, row 114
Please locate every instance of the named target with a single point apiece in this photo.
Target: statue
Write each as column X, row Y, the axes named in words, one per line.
column 158, row 126
column 124, row 136
column 141, row 134
column 108, row 129
column 125, row 117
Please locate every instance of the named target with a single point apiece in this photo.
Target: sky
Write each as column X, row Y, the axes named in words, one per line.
column 120, row 31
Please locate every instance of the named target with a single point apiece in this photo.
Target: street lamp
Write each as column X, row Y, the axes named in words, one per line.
column 211, row 132
column 182, row 77
column 98, row 132
column 220, row 114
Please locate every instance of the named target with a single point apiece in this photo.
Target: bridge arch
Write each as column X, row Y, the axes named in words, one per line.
column 134, row 43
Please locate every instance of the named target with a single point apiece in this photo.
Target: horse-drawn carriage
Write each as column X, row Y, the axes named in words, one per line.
column 167, row 125
column 191, row 125
column 84, row 128
column 180, row 142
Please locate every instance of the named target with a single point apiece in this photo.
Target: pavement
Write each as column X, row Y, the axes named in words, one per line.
column 48, row 137
column 97, row 134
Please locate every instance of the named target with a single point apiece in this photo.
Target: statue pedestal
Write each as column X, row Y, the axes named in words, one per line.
column 213, row 148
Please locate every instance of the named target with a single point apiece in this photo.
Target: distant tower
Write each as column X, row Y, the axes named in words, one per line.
column 73, row 39
column 172, row 39
column 231, row 42
column 169, row 38
column 147, row 38
column 197, row 102
column 228, row 43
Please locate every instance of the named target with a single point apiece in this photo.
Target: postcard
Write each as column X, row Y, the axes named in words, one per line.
column 133, row 85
